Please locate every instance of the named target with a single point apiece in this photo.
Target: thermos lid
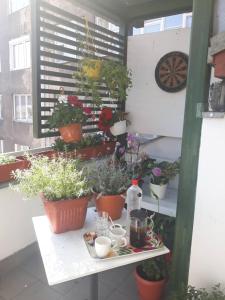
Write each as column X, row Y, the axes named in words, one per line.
column 134, row 182
column 139, row 214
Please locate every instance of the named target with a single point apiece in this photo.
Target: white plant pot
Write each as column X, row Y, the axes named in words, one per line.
column 158, row 191
column 119, row 128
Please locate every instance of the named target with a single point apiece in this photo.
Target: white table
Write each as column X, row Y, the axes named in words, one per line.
column 66, row 257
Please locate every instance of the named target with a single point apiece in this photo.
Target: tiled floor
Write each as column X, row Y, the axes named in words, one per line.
column 27, row 281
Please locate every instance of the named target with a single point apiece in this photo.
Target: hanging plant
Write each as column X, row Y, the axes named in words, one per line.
column 95, row 72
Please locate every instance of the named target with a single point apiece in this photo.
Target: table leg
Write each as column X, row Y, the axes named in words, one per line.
column 94, row 287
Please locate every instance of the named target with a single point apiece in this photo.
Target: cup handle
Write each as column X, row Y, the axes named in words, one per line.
column 115, row 243
column 124, row 242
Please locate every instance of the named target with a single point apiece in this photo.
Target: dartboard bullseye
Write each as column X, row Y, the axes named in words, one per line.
column 171, row 71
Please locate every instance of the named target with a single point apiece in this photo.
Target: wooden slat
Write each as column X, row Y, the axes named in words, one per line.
column 58, row 57
column 80, row 20
column 67, row 41
column 58, row 65
column 57, row 20
column 77, row 52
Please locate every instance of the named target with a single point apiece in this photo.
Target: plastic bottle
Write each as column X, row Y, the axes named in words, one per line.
column 133, row 200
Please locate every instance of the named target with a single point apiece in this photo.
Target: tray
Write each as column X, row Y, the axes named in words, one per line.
column 152, row 243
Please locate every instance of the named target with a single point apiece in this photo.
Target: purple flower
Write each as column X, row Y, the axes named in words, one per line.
column 157, row 172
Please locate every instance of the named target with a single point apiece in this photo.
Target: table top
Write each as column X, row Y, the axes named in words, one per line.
column 65, row 256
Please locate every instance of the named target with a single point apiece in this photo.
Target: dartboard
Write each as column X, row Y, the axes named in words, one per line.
column 171, row 72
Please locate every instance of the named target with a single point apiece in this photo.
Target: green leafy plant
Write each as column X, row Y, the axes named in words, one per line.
column 109, row 179
column 117, row 79
column 57, row 179
column 161, row 172
column 114, row 77
column 65, row 113
column 86, row 141
column 6, row 159
column 153, row 269
column 192, row 293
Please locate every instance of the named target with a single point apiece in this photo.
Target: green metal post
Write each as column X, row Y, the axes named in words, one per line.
column 197, row 93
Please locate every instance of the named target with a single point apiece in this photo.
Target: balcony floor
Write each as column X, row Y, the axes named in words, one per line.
column 27, row 281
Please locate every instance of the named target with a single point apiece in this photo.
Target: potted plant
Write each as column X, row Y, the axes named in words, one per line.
column 151, row 277
column 119, row 123
column 111, row 121
column 63, row 187
column 110, row 183
column 113, row 77
column 160, row 174
column 68, row 116
column 193, row 293
column 90, row 146
column 9, row 163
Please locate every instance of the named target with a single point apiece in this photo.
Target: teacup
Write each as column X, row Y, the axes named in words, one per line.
column 102, row 246
column 117, row 235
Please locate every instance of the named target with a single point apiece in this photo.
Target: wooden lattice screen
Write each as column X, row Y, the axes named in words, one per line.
column 56, row 53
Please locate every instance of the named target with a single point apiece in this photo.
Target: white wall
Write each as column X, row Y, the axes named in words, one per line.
column 151, row 109
column 16, row 228
column 207, row 262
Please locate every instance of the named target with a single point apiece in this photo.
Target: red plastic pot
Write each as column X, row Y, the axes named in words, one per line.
column 66, row 215
column 112, row 204
column 219, row 63
column 6, row 169
column 149, row 290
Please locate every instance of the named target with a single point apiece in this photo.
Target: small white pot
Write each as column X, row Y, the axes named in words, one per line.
column 158, row 191
column 119, row 128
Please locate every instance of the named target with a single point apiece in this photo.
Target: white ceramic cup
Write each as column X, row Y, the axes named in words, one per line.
column 102, row 246
column 117, row 235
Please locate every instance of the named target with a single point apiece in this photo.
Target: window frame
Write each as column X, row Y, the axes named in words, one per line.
column 13, row 11
column 27, row 61
column 28, row 121
column 1, row 115
column 1, row 146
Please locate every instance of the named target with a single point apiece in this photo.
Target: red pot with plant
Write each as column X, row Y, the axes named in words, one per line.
column 110, row 183
column 151, row 278
column 64, row 189
column 8, row 164
column 66, row 215
column 68, row 116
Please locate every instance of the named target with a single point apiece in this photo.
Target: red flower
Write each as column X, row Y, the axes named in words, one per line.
column 104, row 119
column 74, row 101
column 87, row 110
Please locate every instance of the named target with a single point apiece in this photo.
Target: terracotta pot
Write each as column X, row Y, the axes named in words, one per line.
column 6, row 169
column 219, row 63
column 112, row 204
column 92, row 68
column 149, row 290
column 65, row 215
column 71, row 133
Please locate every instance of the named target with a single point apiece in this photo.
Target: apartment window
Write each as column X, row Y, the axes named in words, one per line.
column 19, row 50
column 19, row 147
column 0, row 106
column 15, row 5
column 22, row 108
column 1, row 146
